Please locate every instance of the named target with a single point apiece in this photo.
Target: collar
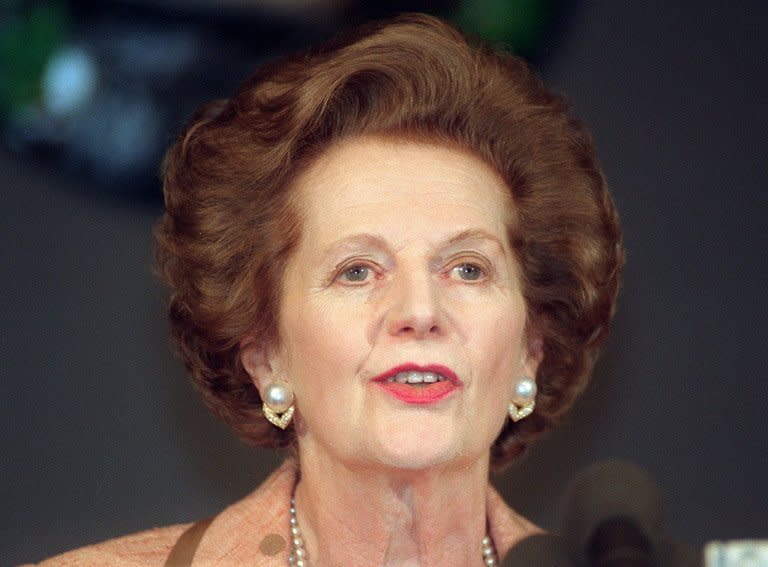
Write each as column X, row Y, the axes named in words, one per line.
column 254, row 530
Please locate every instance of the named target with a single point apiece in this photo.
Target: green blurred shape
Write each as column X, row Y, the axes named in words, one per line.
column 519, row 24
column 29, row 35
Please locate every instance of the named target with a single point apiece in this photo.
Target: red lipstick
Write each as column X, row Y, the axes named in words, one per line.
column 423, row 393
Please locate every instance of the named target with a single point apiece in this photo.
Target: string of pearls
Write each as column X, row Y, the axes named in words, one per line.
column 298, row 556
column 489, row 551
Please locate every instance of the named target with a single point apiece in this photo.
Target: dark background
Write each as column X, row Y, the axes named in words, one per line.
column 102, row 434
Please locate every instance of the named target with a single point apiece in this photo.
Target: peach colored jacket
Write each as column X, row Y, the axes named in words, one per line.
column 253, row 532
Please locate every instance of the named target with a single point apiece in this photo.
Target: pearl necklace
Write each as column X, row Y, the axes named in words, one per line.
column 298, row 556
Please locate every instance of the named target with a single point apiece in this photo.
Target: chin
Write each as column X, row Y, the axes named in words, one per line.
column 417, row 450
column 415, row 461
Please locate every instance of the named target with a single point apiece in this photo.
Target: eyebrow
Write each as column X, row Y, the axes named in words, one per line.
column 475, row 234
column 364, row 239
column 372, row 240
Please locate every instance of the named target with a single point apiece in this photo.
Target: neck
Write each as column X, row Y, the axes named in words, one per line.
column 366, row 515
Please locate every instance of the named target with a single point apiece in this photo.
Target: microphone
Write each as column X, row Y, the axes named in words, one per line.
column 613, row 516
column 539, row 550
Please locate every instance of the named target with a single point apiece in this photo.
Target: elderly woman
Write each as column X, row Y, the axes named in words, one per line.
column 394, row 256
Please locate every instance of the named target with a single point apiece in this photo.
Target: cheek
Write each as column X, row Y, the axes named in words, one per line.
column 503, row 355
column 498, row 348
column 323, row 346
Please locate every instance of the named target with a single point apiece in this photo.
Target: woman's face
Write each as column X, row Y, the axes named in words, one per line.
column 403, row 272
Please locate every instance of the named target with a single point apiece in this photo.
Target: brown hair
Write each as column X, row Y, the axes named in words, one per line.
column 230, row 223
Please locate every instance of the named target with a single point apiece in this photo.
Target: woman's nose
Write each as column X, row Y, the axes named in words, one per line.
column 413, row 308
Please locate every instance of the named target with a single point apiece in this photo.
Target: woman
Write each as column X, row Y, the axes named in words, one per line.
column 396, row 257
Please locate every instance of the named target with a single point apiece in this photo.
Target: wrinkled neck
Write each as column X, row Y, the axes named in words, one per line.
column 357, row 515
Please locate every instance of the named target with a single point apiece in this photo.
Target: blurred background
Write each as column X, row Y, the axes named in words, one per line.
column 101, row 432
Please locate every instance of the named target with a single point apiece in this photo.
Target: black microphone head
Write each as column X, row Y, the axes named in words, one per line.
column 612, row 504
column 545, row 550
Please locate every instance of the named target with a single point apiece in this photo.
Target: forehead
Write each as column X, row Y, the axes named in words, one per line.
column 360, row 183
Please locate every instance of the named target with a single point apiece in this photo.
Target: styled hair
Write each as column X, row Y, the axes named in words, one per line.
column 231, row 224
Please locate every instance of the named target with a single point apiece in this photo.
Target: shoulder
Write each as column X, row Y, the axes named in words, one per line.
column 507, row 526
column 235, row 536
column 254, row 530
column 150, row 547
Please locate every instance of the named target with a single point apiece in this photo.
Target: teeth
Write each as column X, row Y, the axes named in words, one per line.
column 414, row 377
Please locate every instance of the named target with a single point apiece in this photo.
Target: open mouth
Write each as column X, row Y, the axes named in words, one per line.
column 418, row 385
column 416, row 378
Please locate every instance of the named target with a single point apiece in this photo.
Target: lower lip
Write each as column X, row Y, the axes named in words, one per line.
column 418, row 395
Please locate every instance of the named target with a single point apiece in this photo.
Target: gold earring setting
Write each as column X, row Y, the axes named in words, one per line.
column 523, row 399
column 278, row 405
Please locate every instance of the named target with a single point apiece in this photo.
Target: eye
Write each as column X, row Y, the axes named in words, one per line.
column 468, row 272
column 355, row 274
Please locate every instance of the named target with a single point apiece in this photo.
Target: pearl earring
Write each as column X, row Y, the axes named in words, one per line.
column 523, row 399
column 278, row 404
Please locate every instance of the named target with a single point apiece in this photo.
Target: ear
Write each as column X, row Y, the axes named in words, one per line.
column 534, row 353
column 257, row 362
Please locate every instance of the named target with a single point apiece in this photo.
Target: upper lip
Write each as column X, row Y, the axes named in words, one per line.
column 444, row 371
